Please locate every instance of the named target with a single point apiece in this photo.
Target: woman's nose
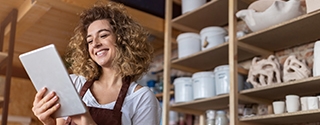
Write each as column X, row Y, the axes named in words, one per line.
column 97, row 43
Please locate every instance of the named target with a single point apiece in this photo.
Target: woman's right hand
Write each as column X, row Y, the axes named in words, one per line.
column 45, row 106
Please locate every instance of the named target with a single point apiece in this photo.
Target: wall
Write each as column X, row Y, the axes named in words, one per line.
column 21, row 99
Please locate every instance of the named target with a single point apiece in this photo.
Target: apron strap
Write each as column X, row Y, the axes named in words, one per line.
column 122, row 95
column 85, row 87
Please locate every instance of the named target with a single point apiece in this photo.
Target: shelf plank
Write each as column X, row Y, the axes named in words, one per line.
column 213, row 13
column 297, row 31
column 209, row 59
column 159, row 95
column 285, row 118
column 3, row 58
column 1, row 101
column 303, row 87
column 201, row 105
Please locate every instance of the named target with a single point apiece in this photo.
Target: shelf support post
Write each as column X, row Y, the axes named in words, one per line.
column 233, row 60
column 11, row 20
column 167, row 62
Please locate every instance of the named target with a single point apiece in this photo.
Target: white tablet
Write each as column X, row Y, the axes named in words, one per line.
column 46, row 69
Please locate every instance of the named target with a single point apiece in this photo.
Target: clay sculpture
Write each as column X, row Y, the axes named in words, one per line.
column 294, row 69
column 264, row 71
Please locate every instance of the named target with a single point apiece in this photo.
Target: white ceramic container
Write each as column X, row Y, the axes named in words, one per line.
column 188, row 44
column 190, row 5
column 212, row 36
column 203, row 85
column 183, row 89
column 222, row 80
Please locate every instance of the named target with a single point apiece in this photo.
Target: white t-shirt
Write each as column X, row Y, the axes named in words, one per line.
column 139, row 108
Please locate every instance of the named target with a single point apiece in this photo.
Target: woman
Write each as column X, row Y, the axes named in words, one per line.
column 107, row 53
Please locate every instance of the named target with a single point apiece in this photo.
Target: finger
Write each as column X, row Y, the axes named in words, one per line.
column 39, row 96
column 44, row 105
column 50, row 103
column 45, row 116
column 51, row 110
column 45, row 99
column 48, row 97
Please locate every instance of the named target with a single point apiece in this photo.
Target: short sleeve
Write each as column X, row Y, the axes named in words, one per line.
column 148, row 110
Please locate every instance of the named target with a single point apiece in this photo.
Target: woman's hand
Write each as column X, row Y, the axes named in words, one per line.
column 45, row 106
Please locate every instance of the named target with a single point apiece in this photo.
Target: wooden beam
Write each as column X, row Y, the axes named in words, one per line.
column 81, row 3
column 28, row 14
column 154, row 24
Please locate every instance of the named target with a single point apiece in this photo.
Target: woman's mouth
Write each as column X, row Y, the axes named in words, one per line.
column 101, row 52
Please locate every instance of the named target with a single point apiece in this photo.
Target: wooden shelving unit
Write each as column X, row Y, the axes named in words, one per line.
column 6, row 60
column 3, row 58
column 301, row 30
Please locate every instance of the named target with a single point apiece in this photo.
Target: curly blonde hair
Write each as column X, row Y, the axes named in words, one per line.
column 134, row 53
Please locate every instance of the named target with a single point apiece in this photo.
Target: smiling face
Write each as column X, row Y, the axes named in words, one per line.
column 101, row 42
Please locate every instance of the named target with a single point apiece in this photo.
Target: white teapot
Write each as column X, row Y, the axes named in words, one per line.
column 278, row 12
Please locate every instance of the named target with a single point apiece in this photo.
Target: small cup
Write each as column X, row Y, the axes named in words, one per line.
column 292, row 103
column 304, row 103
column 278, row 107
column 313, row 103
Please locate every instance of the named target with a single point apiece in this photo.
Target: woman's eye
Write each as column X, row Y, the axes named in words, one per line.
column 103, row 36
column 89, row 41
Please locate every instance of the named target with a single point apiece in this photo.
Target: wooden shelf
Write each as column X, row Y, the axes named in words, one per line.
column 1, row 101
column 208, row 59
column 201, row 105
column 3, row 57
column 213, row 13
column 303, row 87
column 297, row 31
column 285, row 118
column 159, row 95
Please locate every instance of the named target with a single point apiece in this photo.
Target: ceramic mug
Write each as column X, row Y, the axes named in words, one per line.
column 292, row 103
column 278, row 107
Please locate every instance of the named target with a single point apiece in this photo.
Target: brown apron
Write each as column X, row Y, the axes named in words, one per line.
column 106, row 116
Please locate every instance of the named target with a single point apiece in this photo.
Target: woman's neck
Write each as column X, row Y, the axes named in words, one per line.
column 109, row 78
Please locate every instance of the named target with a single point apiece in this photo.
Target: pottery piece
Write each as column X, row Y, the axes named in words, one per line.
column 261, row 5
column 294, row 69
column 278, row 12
column 316, row 59
column 264, row 72
column 312, row 5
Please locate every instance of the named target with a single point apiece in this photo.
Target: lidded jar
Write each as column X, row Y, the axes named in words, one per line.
column 210, row 117
column 221, row 118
